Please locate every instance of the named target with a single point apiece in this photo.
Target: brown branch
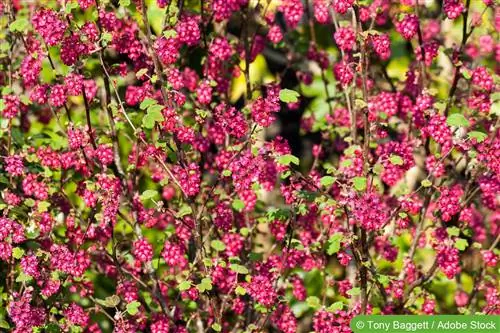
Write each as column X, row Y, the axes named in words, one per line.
column 366, row 150
column 247, row 56
column 456, row 77
column 421, row 45
column 479, row 277
column 312, row 33
column 87, row 116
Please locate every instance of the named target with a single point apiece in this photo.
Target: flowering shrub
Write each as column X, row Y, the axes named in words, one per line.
column 185, row 166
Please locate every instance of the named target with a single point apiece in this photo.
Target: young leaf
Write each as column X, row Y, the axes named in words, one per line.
column 238, row 205
column 141, row 72
column 17, row 252
column 184, row 210
column 184, row 285
column 287, row 159
column 152, row 116
column 426, row 183
column 107, row 37
column 205, row 284
column 354, row 291
column 383, row 279
column 133, row 308
column 479, row 136
column 148, row 194
column 453, row 231
column 217, row 245
column 240, row 290
column 334, row 244
column 289, row 96
column 238, row 269
column 147, row 102
column 359, row 183
column 457, row 120
column 19, row 25
column 396, row 160
column 461, row 244
column 313, row 302
column 110, row 301
column 327, row 181
column 335, row 306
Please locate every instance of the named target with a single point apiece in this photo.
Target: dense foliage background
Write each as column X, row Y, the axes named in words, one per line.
column 244, row 165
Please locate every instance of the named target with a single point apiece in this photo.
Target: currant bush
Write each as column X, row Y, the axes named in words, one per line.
column 246, row 166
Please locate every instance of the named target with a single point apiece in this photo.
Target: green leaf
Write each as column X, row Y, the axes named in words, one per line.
column 141, row 72
column 238, row 205
column 479, row 136
column 457, row 120
column 359, row 183
column 133, row 308
column 378, row 168
column 260, row 308
column 184, row 210
column 334, row 244
column 148, row 194
column 453, row 231
column 354, row 291
column 19, row 25
column 335, row 306
column 205, row 284
column 313, row 302
column 124, row 3
column 396, row 160
column 289, row 96
column 461, row 244
column 240, row 291
column 287, row 159
column 152, row 116
column 466, row 73
column 110, row 301
column 43, row 206
column 244, row 232
column 70, row 6
column 383, row 279
column 184, row 285
column 327, row 181
column 23, row 278
column 238, row 269
column 4, row 47
column 155, row 108
column 106, row 38
column 4, row 324
column 360, row 104
column 216, row 327
column 17, row 252
column 495, row 108
column 29, row 202
column 170, row 33
column 426, row 183
column 226, row 173
column 217, row 245
column 147, row 102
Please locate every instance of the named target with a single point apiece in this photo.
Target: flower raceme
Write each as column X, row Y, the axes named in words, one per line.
column 181, row 167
